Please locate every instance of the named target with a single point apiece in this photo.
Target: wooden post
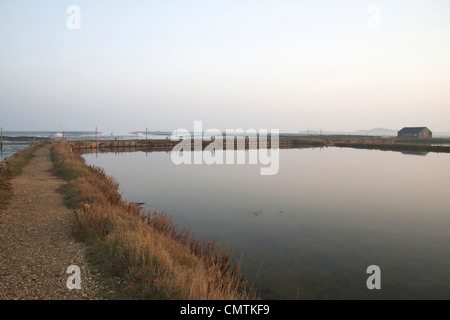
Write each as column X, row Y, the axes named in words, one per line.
column 96, row 143
column 146, row 133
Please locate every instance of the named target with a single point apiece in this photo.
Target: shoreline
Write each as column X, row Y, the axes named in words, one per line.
column 95, row 182
column 142, row 258
column 357, row 142
column 136, row 258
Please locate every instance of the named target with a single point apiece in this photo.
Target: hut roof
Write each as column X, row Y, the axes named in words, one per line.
column 412, row 129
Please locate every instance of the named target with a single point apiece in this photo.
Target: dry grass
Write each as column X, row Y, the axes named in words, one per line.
column 12, row 167
column 143, row 255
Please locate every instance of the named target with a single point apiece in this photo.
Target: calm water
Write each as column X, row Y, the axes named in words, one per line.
column 11, row 147
column 312, row 230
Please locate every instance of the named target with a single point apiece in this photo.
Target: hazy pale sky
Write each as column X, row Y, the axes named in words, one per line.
column 287, row 64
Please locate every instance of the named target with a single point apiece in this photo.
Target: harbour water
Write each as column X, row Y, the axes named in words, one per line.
column 312, row 230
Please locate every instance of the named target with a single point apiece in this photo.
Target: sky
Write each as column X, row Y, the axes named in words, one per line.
column 291, row 65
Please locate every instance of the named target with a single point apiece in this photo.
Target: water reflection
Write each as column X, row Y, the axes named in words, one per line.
column 417, row 153
column 314, row 228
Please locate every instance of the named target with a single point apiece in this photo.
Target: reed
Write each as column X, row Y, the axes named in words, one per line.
column 142, row 255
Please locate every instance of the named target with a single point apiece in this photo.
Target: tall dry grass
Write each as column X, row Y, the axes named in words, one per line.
column 146, row 250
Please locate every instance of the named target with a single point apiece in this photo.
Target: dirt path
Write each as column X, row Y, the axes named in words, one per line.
column 36, row 246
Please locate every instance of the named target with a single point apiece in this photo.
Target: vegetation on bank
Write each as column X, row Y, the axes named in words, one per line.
column 12, row 167
column 372, row 142
column 141, row 255
column 286, row 142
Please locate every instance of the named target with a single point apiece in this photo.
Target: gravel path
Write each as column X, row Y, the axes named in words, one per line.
column 36, row 246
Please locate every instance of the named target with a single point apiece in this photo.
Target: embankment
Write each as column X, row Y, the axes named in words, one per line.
column 36, row 242
column 359, row 142
column 12, row 167
column 142, row 258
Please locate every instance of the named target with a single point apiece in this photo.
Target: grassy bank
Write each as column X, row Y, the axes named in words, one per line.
column 12, row 167
column 342, row 141
column 141, row 258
